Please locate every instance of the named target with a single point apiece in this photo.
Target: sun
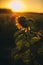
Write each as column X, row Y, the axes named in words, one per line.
column 17, row 6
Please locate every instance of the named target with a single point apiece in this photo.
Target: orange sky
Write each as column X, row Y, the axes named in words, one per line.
column 28, row 5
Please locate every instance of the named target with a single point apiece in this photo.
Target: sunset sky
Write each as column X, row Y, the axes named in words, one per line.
column 23, row 5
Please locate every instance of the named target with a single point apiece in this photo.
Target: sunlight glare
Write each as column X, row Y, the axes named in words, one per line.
column 17, row 6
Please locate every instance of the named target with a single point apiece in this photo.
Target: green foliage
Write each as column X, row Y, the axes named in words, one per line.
column 27, row 45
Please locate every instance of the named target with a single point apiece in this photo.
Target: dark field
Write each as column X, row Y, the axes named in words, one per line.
column 19, row 47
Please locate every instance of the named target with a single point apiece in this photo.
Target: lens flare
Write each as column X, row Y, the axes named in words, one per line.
column 17, row 6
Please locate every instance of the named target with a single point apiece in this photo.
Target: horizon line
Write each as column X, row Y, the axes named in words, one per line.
column 22, row 11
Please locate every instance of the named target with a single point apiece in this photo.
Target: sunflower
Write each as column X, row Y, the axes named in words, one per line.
column 22, row 23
